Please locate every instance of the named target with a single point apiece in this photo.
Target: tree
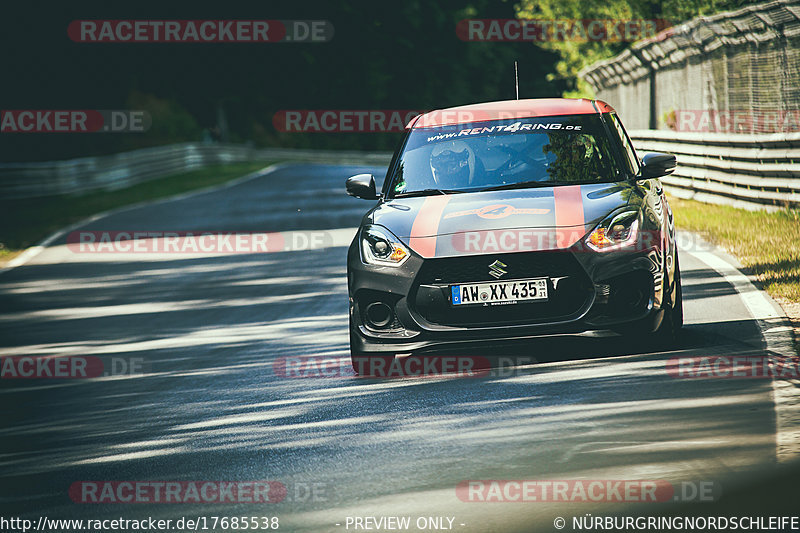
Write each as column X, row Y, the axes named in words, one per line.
column 577, row 54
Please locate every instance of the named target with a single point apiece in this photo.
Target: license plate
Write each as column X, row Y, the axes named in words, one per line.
column 499, row 292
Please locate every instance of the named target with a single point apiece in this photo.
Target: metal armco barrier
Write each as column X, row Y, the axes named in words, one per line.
column 758, row 171
column 117, row 171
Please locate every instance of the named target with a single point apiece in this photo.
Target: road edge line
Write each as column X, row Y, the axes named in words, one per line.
column 775, row 329
column 33, row 251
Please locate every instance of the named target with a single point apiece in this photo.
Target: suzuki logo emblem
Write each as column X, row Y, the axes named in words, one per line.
column 497, row 269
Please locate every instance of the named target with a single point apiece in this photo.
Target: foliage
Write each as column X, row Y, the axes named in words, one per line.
column 768, row 244
column 575, row 55
column 403, row 56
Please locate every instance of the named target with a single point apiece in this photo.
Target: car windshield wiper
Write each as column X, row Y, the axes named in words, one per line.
column 525, row 185
column 427, row 192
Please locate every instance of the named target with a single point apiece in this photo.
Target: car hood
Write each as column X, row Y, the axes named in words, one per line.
column 501, row 221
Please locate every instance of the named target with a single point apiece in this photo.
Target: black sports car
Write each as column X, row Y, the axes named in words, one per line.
column 509, row 220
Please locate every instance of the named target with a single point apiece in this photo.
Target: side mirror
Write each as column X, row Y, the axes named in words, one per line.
column 656, row 165
column 362, row 186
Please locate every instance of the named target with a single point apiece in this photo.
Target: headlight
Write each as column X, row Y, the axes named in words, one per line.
column 615, row 232
column 380, row 247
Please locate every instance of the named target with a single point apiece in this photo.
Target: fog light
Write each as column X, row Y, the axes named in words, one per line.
column 378, row 314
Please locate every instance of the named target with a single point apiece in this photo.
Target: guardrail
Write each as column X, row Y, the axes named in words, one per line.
column 759, row 171
column 87, row 174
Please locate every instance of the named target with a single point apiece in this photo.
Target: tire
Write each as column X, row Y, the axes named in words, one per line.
column 667, row 334
column 668, row 331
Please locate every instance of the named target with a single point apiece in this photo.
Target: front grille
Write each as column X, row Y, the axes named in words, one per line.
column 571, row 294
column 519, row 265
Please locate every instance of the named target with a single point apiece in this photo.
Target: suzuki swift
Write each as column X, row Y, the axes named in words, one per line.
column 508, row 220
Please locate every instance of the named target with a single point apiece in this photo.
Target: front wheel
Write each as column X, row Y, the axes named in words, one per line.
column 670, row 327
column 668, row 332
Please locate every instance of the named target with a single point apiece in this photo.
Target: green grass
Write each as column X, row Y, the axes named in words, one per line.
column 767, row 244
column 25, row 222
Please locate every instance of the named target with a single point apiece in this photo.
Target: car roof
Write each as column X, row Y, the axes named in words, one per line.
column 534, row 107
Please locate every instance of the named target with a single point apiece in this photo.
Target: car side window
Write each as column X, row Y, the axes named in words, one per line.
column 392, row 177
column 630, row 154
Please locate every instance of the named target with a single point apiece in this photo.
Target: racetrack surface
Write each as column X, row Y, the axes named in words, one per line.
column 209, row 405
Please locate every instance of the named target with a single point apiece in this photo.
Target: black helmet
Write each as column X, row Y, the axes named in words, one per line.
column 452, row 164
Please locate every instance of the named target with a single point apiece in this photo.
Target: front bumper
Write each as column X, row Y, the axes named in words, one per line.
column 588, row 291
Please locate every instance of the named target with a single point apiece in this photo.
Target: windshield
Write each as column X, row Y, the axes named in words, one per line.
column 505, row 154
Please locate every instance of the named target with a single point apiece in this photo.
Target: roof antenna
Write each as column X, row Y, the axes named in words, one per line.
column 516, row 79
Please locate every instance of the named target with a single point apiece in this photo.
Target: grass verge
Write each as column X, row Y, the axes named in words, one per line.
column 25, row 222
column 767, row 244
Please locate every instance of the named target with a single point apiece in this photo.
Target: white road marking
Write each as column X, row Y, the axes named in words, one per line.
column 754, row 299
column 778, row 339
column 33, row 251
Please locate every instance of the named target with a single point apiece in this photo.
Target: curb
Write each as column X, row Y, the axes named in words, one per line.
column 777, row 332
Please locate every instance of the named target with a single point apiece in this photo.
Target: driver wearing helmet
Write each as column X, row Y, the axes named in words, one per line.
column 452, row 165
column 582, row 150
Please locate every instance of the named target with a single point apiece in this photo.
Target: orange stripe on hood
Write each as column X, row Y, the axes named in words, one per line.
column 570, row 219
column 426, row 226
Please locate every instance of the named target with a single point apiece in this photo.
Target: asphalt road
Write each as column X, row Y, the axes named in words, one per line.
column 209, row 405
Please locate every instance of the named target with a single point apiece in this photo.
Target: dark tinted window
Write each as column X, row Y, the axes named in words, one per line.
column 631, row 163
column 481, row 155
